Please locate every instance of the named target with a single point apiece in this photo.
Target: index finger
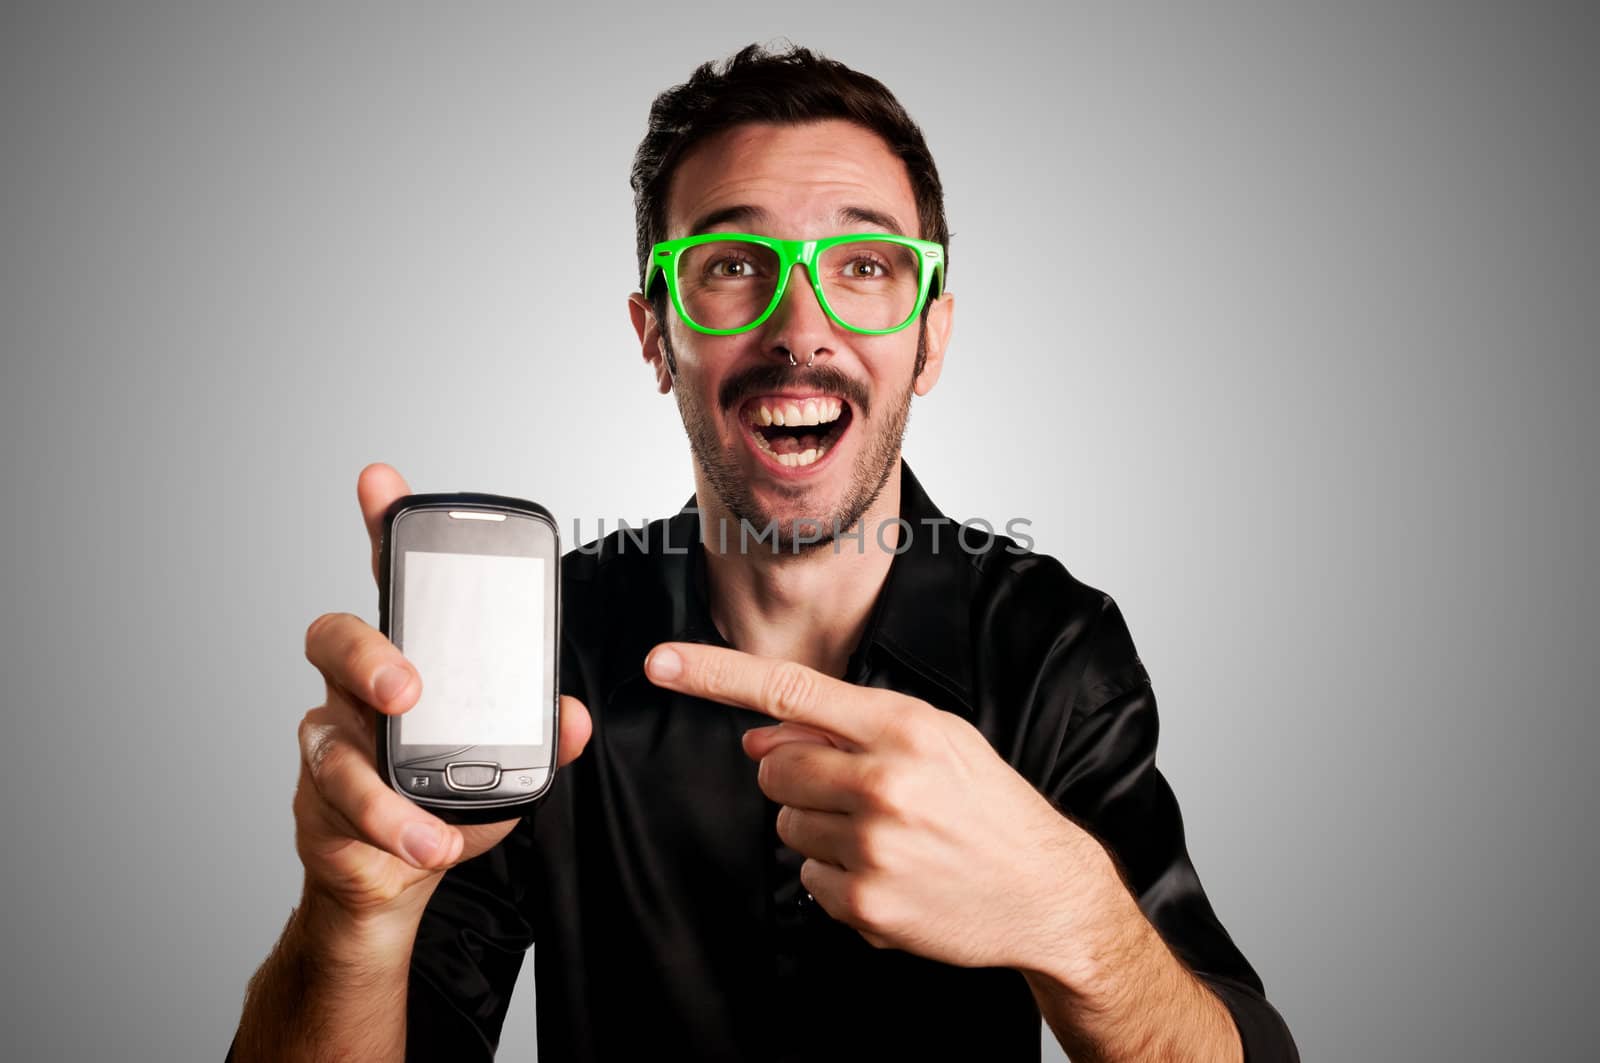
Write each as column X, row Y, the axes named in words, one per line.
column 784, row 690
column 376, row 487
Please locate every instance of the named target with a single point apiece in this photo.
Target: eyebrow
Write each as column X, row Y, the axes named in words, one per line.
column 741, row 213
column 868, row 216
column 744, row 213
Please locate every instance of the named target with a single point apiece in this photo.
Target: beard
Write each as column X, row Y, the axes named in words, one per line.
column 795, row 535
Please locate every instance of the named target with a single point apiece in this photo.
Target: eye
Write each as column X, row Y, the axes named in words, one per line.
column 865, row 266
column 731, row 267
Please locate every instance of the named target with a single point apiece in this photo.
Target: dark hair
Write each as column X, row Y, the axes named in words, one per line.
column 791, row 86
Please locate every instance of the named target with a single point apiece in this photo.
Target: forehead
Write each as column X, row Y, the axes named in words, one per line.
column 802, row 176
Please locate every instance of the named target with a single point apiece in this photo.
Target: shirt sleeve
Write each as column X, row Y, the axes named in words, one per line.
column 1105, row 778
column 469, row 949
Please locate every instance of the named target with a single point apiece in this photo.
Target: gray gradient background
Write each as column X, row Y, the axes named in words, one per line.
column 1305, row 390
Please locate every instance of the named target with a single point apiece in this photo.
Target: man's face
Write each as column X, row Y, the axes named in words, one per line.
column 796, row 182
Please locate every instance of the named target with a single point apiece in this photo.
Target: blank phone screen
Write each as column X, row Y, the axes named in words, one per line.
column 473, row 624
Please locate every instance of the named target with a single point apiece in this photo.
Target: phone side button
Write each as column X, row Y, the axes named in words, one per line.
column 420, row 781
column 472, row 776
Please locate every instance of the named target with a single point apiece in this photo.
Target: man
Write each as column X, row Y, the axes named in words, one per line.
column 841, row 779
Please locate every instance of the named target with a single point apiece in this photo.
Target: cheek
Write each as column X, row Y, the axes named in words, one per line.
column 891, row 361
column 701, row 353
column 701, row 375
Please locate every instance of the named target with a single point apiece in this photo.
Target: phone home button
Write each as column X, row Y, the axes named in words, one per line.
column 472, row 775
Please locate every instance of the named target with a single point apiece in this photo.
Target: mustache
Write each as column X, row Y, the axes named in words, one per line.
column 764, row 379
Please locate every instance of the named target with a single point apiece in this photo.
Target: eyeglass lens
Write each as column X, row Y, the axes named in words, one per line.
column 868, row 284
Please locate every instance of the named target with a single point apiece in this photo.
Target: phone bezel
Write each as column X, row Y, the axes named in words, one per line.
column 484, row 537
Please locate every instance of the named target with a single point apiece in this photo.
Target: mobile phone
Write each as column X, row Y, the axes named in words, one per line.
column 470, row 593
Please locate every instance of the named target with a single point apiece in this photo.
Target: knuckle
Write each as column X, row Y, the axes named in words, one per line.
column 315, row 735
column 854, row 899
column 315, row 717
column 950, row 727
column 940, row 732
column 716, row 674
column 870, row 848
column 328, row 759
column 789, row 688
column 881, row 787
column 317, row 631
column 357, row 660
column 873, row 907
column 799, row 759
column 905, row 730
column 333, row 759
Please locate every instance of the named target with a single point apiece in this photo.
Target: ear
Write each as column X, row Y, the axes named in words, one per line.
column 651, row 345
column 941, row 316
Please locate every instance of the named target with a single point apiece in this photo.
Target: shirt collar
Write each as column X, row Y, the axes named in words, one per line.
column 920, row 617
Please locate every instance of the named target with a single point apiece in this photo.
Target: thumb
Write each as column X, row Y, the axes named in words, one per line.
column 377, row 487
column 576, row 727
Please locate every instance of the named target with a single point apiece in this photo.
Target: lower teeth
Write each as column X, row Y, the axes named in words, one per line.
column 794, row 459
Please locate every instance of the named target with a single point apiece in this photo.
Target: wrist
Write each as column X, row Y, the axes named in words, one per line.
column 338, row 936
column 1096, row 933
column 1108, row 985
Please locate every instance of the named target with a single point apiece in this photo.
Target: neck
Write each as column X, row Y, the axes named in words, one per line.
column 810, row 607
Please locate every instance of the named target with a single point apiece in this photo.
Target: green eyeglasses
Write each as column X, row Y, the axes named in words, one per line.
column 726, row 283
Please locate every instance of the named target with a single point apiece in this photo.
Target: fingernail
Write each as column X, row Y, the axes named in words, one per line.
column 420, row 843
column 665, row 664
column 390, row 682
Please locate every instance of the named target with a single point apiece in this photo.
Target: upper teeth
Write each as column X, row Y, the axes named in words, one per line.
column 788, row 412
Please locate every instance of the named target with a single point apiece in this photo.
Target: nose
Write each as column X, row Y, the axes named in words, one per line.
column 799, row 330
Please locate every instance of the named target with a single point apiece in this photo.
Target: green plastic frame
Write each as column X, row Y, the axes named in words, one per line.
column 930, row 273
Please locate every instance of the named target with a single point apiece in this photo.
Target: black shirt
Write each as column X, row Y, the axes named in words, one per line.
column 668, row 918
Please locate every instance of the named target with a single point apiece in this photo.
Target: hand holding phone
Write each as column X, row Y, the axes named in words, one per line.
column 364, row 846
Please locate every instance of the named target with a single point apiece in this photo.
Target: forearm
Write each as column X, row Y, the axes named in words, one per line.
column 1162, row 1013
column 334, row 988
column 1123, row 995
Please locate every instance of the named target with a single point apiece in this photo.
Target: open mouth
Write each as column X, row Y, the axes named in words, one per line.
column 796, row 431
